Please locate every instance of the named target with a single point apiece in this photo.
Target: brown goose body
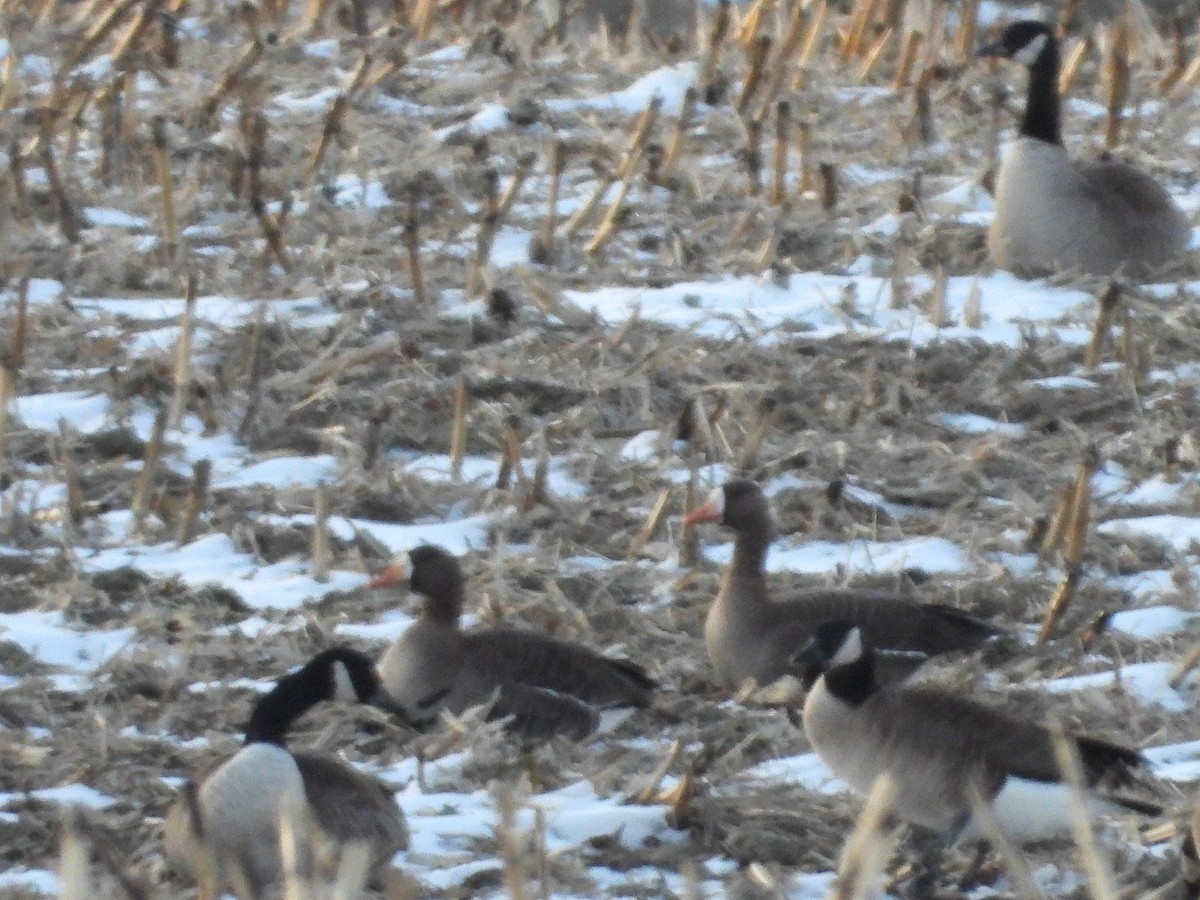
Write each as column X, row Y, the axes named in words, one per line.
column 939, row 746
column 545, row 684
column 224, row 827
column 749, row 634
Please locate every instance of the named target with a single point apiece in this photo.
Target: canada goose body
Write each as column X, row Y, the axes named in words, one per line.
column 1057, row 214
column 750, row 635
column 939, row 746
column 546, row 685
column 225, row 825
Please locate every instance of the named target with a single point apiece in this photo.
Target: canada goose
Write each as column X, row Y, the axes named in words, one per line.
column 548, row 686
column 225, row 824
column 938, row 745
column 1054, row 213
column 749, row 635
column 1189, row 861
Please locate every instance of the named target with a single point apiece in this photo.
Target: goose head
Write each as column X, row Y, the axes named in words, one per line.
column 1028, row 43
column 432, row 573
column 739, row 505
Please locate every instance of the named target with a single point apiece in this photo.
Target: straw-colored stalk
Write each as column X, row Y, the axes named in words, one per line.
column 1109, row 301
column 908, row 58
column 145, row 481
column 313, row 20
column 183, row 352
column 375, row 419
column 422, row 19
column 923, row 120
column 984, row 818
column 779, row 159
column 861, row 17
column 797, row 27
column 964, row 37
column 1056, row 529
column 16, row 169
column 100, row 29
column 11, row 88
column 510, row 461
column 633, row 153
column 829, row 186
column 74, row 861
column 689, row 536
column 874, row 54
column 6, row 390
column 1099, row 874
column 166, row 191
column 331, row 129
column 251, row 54
column 68, row 222
column 1072, row 60
column 805, row 136
column 1186, row 666
column 1076, row 536
column 678, row 134
column 510, row 846
column 812, row 40
column 1117, row 77
column 70, row 475
column 1067, row 15
column 768, row 252
column 649, row 792
column 538, row 491
column 973, row 307
column 320, row 535
column 768, row 410
column 255, row 370
column 866, row 852
column 412, row 246
column 20, row 335
column 712, row 54
column 495, row 212
column 558, row 165
column 759, row 51
column 133, row 36
column 754, row 158
column 168, row 28
column 653, row 523
column 752, row 22
column 458, row 428
column 197, row 497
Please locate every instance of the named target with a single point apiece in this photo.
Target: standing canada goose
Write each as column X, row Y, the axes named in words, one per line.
column 225, row 825
column 937, row 746
column 749, row 635
column 1054, row 213
column 548, row 686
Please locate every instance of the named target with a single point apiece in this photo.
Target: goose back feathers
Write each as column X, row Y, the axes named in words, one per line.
column 748, row 634
column 546, row 685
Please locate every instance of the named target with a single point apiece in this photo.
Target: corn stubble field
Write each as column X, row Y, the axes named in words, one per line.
column 283, row 297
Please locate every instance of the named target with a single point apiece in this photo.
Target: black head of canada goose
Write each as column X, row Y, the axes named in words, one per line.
column 1058, row 214
column 543, row 685
column 750, row 635
column 937, row 746
column 225, row 826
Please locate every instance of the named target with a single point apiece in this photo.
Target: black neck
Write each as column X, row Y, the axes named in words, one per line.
column 292, row 696
column 447, row 604
column 854, row 682
column 1041, row 103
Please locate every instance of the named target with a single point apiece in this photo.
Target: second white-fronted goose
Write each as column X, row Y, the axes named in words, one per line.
column 546, row 685
column 750, row 635
column 937, row 746
column 1054, row 213
column 224, row 827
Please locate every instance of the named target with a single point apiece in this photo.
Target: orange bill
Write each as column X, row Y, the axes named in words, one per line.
column 706, row 512
column 393, row 575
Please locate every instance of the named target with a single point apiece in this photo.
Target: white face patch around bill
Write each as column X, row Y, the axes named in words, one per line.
column 851, row 649
column 1028, row 54
column 343, row 686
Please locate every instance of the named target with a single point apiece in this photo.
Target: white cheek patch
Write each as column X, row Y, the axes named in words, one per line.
column 850, row 651
column 343, row 686
column 1028, row 54
column 717, row 499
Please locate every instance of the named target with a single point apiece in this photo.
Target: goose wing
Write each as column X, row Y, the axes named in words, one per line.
column 352, row 806
column 565, row 667
column 538, row 713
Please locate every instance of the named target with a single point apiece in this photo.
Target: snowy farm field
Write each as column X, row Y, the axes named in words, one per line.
column 286, row 291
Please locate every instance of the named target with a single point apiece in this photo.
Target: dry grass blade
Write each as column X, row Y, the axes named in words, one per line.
column 458, row 428
column 321, row 555
column 1185, row 667
column 145, row 481
column 653, row 523
column 1109, row 301
column 195, row 502
column 866, row 853
column 783, row 137
column 1072, row 62
column 183, row 354
column 649, row 793
column 1117, row 76
column 1099, row 873
column 166, row 197
column 1075, row 538
column 675, row 145
column 1014, row 863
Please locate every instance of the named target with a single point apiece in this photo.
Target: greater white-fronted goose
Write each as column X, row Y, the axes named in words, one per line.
column 224, row 827
column 1054, row 213
column 750, row 635
column 937, row 746
column 546, row 685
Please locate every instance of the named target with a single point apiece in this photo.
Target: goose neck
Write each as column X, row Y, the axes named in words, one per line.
column 1042, row 107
